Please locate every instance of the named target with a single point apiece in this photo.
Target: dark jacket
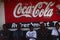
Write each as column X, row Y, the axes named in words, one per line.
column 43, row 35
column 5, row 34
column 18, row 35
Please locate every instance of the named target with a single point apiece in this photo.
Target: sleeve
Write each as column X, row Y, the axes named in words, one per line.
column 35, row 34
column 59, row 30
column 52, row 33
column 27, row 34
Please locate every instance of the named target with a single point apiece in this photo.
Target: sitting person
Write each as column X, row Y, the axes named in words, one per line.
column 43, row 33
column 56, row 32
column 18, row 34
column 31, row 34
column 5, row 33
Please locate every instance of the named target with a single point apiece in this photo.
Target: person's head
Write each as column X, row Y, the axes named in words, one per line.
column 4, row 26
column 57, row 26
column 31, row 28
column 18, row 27
column 42, row 26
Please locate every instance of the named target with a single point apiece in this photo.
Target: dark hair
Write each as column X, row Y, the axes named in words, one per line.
column 56, row 24
column 30, row 26
column 5, row 25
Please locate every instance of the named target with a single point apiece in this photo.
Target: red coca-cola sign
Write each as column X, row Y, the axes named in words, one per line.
column 31, row 10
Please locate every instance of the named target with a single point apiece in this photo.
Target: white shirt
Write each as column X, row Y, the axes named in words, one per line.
column 54, row 32
column 31, row 34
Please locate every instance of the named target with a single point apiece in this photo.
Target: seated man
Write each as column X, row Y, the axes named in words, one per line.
column 31, row 34
column 43, row 33
column 5, row 33
column 56, row 32
column 18, row 34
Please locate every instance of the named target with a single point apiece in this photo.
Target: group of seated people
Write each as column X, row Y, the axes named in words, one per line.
column 41, row 34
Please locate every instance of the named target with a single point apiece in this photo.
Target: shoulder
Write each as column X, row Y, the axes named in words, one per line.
column 34, row 31
column 47, row 30
column 59, row 29
column 54, row 29
column 38, row 30
column 28, row 32
column 1, row 30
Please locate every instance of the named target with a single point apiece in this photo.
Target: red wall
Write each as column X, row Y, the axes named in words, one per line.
column 11, row 4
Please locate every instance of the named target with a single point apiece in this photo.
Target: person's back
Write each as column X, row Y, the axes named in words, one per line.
column 5, row 33
column 31, row 34
column 18, row 34
column 56, row 32
column 43, row 33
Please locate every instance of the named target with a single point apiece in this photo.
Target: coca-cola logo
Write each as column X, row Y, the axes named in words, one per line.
column 33, row 11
